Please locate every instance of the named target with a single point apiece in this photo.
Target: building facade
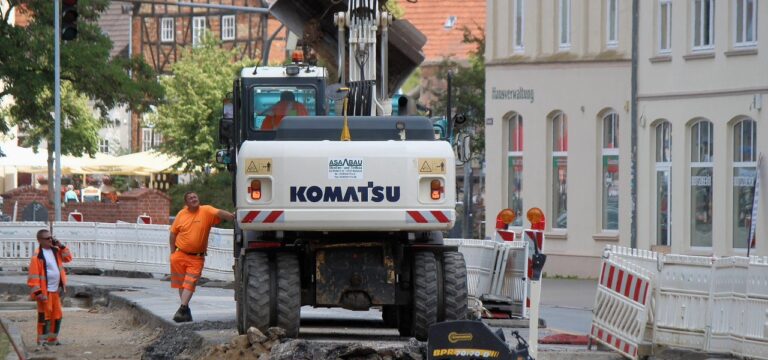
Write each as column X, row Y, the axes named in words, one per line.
column 702, row 127
column 561, row 69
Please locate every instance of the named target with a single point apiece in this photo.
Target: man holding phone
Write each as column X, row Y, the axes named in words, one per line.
column 47, row 281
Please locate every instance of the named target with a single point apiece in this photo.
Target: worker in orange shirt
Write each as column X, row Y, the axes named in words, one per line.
column 189, row 243
column 47, row 282
column 287, row 106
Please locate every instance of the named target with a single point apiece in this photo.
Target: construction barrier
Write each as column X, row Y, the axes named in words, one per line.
column 480, row 257
column 509, row 281
column 621, row 306
column 682, row 301
column 719, row 305
column 109, row 246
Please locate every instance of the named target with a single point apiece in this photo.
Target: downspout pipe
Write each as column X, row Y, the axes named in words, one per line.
column 633, row 119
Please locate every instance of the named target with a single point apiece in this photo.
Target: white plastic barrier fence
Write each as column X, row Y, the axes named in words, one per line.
column 480, row 257
column 728, row 294
column 755, row 329
column 510, row 279
column 621, row 306
column 704, row 303
column 107, row 246
column 682, row 302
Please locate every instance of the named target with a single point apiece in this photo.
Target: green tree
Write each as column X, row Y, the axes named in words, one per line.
column 468, row 89
column 189, row 118
column 90, row 79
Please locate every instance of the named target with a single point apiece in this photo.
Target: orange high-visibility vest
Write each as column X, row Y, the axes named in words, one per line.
column 37, row 280
column 281, row 110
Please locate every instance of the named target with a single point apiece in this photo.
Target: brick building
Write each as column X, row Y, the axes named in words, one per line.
column 130, row 205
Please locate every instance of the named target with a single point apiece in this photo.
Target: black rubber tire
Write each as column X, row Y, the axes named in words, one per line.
column 239, row 300
column 256, row 291
column 288, row 293
column 424, row 294
column 454, row 286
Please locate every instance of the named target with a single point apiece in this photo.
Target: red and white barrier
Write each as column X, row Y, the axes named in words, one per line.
column 718, row 305
column 75, row 216
column 144, row 219
column 621, row 306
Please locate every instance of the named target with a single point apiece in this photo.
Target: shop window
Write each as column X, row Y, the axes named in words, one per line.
column 559, row 170
column 610, row 172
column 744, row 175
column 663, row 183
column 515, row 166
column 701, row 184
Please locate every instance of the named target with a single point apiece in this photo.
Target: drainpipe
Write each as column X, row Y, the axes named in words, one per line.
column 633, row 116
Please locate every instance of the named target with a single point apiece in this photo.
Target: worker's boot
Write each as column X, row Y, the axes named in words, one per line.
column 184, row 314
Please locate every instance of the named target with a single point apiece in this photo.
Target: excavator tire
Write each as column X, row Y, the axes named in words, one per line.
column 256, row 292
column 288, row 293
column 425, row 296
column 454, row 286
column 239, row 301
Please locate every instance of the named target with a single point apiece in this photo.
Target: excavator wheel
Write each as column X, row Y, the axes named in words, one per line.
column 256, row 292
column 454, row 286
column 425, row 297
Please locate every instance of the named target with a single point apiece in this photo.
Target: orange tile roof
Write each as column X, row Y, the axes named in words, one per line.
column 429, row 16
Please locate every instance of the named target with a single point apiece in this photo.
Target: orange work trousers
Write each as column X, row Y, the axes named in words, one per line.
column 186, row 270
column 49, row 319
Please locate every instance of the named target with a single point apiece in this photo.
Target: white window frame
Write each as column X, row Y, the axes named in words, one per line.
column 665, row 45
column 167, row 29
column 741, row 161
column 150, row 138
column 564, row 13
column 198, row 29
column 516, row 153
column 663, row 157
column 697, row 138
column 743, row 30
column 612, row 19
column 710, row 29
column 519, row 28
column 563, row 123
column 608, row 150
column 228, row 27
column 104, row 146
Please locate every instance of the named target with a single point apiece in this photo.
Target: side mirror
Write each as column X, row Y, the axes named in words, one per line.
column 226, row 123
column 464, row 147
column 222, row 157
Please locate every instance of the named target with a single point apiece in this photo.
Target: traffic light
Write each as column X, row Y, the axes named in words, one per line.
column 69, row 20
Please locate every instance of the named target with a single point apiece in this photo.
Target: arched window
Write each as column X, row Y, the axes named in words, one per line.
column 663, row 183
column 559, row 170
column 515, row 165
column 610, row 175
column 701, row 183
column 744, row 174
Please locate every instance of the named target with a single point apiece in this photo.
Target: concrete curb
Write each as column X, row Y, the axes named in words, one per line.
column 15, row 335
